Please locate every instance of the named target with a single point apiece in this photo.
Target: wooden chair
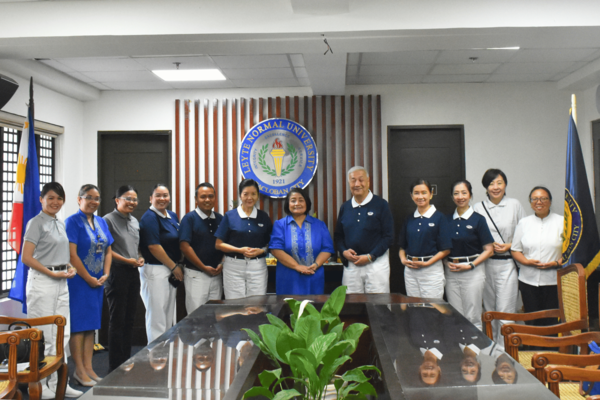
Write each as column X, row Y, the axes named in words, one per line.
column 53, row 363
column 572, row 313
column 9, row 387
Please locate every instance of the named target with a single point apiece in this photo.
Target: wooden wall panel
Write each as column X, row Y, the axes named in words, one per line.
column 347, row 131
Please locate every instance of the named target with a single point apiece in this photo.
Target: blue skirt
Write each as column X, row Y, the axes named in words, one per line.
column 86, row 305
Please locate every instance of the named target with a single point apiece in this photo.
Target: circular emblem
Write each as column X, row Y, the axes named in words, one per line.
column 280, row 155
column 573, row 226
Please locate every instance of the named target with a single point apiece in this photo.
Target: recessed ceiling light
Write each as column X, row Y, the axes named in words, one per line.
column 173, row 75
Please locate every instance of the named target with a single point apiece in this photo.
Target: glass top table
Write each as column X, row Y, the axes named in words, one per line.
column 424, row 349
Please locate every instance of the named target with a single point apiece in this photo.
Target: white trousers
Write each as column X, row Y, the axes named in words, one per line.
column 464, row 291
column 159, row 299
column 425, row 282
column 200, row 288
column 244, row 278
column 500, row 292
column 48, row 296
column 371, row 278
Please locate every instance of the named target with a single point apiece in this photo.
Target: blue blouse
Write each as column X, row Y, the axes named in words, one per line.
column 425, row 236
column 91, row 244
column 469, row 235
column 250, row 231
column 158, row 230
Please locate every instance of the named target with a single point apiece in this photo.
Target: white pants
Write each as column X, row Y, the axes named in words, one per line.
column 371, row 278
column 243, row 278
column 159, row 298
column 200, row 288
column 48, row 296
column 500, row 292
column 464, row 291
column 425, row 282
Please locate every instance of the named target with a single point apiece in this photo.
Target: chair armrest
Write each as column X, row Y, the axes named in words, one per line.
column 565, row 327
column 542, row 360
column 58, row 320
column 489, row 316
column 517, row 339
column 558, row 373
column 14, row 337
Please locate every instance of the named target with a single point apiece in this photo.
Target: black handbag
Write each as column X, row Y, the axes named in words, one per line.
column 24, row 346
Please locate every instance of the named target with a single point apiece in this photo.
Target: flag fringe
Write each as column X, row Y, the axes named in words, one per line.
column 591, row 267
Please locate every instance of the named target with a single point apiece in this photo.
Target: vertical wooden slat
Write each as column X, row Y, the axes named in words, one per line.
column 269, row 116
column 232, row 366
column 186, row 112
column 325, row 163
column 206, row 143
column 197, row 140
column 297, row 110
column 225, row 129
column 369, row 147
column 216, row 150
column 352, row 134
column 333, row 162
column 234, row 152
column 361, row 141
column 177, row 166
column 343, row 143
column 213, row 373
column 223, row 365
column 315, row 135
column 379, row 147
column 279, row 100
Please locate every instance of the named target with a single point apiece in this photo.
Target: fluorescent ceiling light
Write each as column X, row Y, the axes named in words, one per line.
column 174, row 75
column 503, row 48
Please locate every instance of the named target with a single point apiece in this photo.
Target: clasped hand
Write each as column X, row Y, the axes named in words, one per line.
column 355, row 259
column 415, row 264
column 458, row 267
column 540, row 265
column 251, row 252
column 304, row 270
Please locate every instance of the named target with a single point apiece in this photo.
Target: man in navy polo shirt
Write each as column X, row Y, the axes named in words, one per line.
column 364, row 234
column 203, row 263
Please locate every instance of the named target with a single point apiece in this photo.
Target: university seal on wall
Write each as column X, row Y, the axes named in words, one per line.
column 573, row 226
column 280, row 155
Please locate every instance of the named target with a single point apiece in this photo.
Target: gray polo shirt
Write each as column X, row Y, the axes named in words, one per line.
column 50, row 238
column 125, row 230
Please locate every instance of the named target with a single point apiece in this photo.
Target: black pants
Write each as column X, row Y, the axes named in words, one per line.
column 122, row 291
column 538, row 298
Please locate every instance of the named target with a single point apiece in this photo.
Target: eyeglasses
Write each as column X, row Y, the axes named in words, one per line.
column 90, row 198
column 129, row 199
column 542, row 199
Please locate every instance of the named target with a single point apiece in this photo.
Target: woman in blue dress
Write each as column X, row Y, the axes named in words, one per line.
column 89, row 245
column 301, row 244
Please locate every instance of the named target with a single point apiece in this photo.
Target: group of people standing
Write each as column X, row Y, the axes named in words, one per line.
column 471, row 254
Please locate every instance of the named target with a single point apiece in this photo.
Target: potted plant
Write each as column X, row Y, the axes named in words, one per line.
column 314, row 347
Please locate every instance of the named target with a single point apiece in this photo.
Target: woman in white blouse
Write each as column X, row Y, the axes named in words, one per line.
column 537, row 247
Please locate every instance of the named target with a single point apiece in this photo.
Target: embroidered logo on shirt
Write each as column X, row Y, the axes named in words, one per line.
column 261, row 225
column 370, row 213
column 431, row 224
column 469, row 227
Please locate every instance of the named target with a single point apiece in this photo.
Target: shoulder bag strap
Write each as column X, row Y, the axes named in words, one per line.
column 491, row 219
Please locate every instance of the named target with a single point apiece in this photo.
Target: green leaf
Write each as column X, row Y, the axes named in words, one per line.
column 329, row 369
column 355, row 375
column 289, row 341
column 270, row 333
column 306, row 354
column 369, row 367
column 345, row 391
column 308, row 328
column 366, row 389
column 310, row 310
column 286, row 394
column 355, row 397
column 261, row 345
column 338, row 383
column 308, row 371
column 338, row 330
column 320, row 346
column 278, row 322
column 353, row 333
column 258, row 391
column 334, row 304
column 268, row 377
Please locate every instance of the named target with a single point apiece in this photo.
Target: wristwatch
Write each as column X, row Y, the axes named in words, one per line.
column 472, row 265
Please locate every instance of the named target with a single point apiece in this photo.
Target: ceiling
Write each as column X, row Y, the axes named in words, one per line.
column 81, row 55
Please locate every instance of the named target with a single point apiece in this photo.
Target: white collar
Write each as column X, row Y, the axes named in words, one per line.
column 204, row 216
column 243, row 215
column 467, row 214
column 474, row 348
column 159, row 213
column 492, row 205
column 438, row 354
column 427, row 214
column 365, row 201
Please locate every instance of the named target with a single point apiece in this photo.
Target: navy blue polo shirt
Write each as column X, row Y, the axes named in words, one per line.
column 366, row 228
column 425, row 235
column 239, row 230
column 199, row 232
column 155, row 229
column 469, row 233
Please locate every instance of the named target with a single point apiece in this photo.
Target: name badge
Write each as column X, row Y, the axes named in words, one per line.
column 370, row 213
column 99, row 248
column 469, row 227
column 261, row 225
column 431, row 224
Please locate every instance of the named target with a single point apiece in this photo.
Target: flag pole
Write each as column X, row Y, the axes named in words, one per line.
column 574, row 108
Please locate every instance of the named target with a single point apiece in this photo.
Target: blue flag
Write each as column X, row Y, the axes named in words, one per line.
column 581, row 241
column 31, row 205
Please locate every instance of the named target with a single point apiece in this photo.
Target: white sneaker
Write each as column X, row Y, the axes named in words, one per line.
column 47, row 393
column 70, row 392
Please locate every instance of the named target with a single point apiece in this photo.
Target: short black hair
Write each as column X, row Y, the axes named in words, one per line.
column 492, row 174
column 303, row 193
column 124, row 189
column 157, row 186
column 247, row 183
column 55, row 187
column 206, row 185
column 466, row 183
column 540, row 188
column 420, row 182
column 86, row 188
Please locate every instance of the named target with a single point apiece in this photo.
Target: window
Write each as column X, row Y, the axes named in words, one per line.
column 9, row 140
